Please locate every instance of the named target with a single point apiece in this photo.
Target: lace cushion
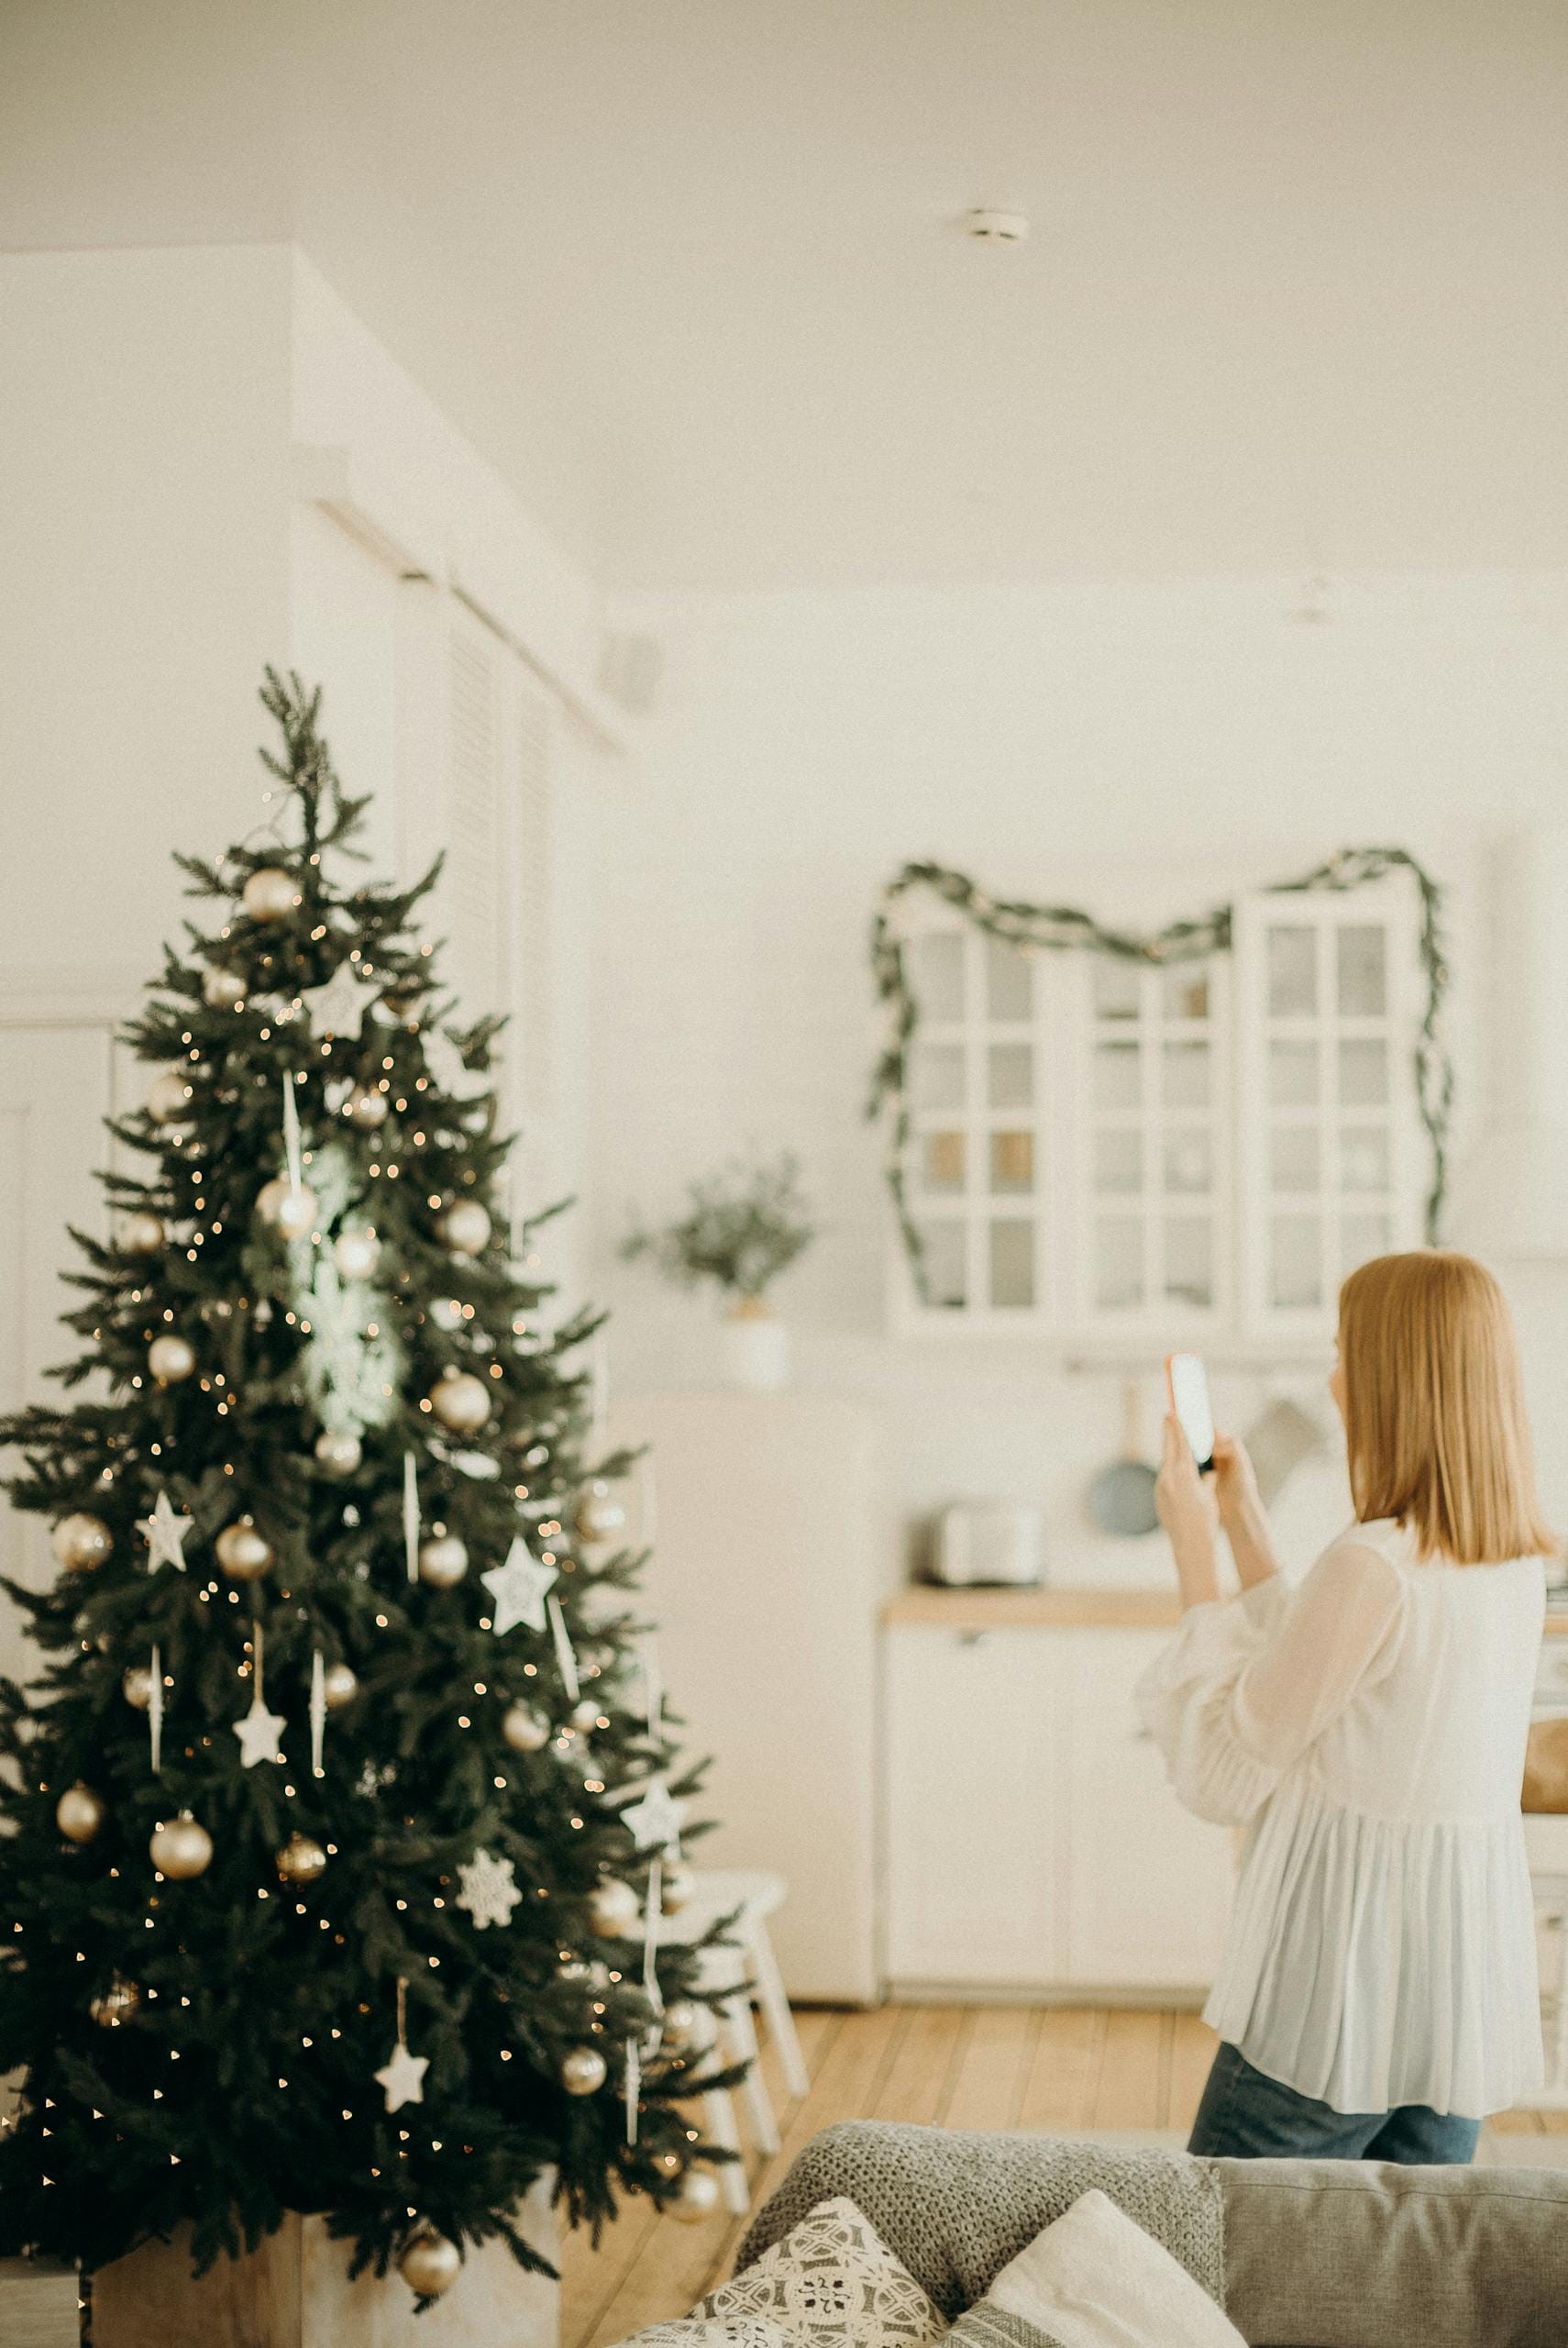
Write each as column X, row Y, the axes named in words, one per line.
column 830, row 2282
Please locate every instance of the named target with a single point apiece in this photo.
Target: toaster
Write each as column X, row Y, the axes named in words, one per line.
column 988, row 1541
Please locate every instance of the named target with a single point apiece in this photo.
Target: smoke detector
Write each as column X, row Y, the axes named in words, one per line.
column 988, row 226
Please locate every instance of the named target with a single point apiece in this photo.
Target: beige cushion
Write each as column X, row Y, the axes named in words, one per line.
column 1095, row 2280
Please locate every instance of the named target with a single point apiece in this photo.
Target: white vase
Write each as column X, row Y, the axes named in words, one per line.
column 756, row 1346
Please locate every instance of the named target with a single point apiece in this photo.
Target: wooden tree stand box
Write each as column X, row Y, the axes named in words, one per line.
column 294, row 2292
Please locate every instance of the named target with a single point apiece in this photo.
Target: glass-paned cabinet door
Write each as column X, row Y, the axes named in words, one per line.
column 1331, row 1163
column 980, row 1160
column 1152, row 1053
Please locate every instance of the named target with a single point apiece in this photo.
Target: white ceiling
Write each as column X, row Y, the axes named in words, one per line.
column 686, row 270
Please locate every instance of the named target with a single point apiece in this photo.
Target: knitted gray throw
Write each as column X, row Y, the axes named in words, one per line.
column 956, row 2208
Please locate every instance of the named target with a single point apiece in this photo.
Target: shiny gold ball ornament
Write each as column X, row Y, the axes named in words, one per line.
column 676, row 1887
column 685, row 2026
column 599, row 1515
column 300, row 1860
column 429, row 2264
column 168, row 1097
column 584, row 1717
column 270, row 894
column 695, row 2198
column 461, row 1402
column 338, row 1451
column 80, row 1542
column 243, row 1552
column 613, row 1909
column 142, row 1233
column 115, row 2004
column 443, row 1561
column 583, row 2070
column 355, row 1254
column 524, row 1729
column 464, row 1227
column 222, row 989
column 366, row 1107
column 170, row 1360
column 289, row 1207
column 339, row 1686
column 79, row 1813
column 136, row 1686
column 181, row 1848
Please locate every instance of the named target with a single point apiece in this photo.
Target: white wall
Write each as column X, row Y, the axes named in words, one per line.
column 1141, row 747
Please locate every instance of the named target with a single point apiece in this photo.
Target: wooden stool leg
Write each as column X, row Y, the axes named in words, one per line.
column 775, row 2005
column 719, row 2119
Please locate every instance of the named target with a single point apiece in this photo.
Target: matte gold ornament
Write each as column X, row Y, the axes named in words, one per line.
column 289, row 1207
column 583, row 2070
column 443, row 1561
column 685, row 2026
column 338, row 1451
column 135, row 1686
column 269, row 894
column 181, row 1848
column 357, row 1253
column 676, row 1888
column 222, row 989
column 168, row 1097
column 142, row 1233
column 695, row 2198
column 366, row 1107
column 339, row 1686
column 524, row 1729
column 599, row 1515
column 80, row 1542
column 430, row 2265
column 461, row 1402
column 115, row 2004
column 465, row 1227
column 300, row 1860
column 584, row 1717
column 79, row 1813
column 170, row 1360
column 242, row 1551
column 613, row 1909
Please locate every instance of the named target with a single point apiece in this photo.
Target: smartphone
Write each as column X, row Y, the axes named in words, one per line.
column 1188, row 1383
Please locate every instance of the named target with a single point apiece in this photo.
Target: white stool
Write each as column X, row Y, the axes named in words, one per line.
column 1546, row 1840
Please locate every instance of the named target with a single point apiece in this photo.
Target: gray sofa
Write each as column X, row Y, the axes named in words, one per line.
column 1302, row 2254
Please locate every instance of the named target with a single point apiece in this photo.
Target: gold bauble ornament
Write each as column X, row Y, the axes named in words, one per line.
column 242, row 1551
column 181, row 1848
column 613, row 1909
column 584, row 1717
column 289, row 1207
column 339, row 1686
column 135, row 1686
column 170, row 1360
column 676, row 1888
column 338, row 1451
column 366, row 1107
column 461, row 1402
column 222, row 989
column 685, row 2026
column 168, row 1097
column 357, row 1253
column 524, row 1729
column 443, row 1561
column 80, row 1542
column 300, row 1860
column 79, row 1813
column 430, row 2265
column 583, row 2070
column 465, row 1227
column 695, row 2198
column 599, row 1515
column 142, row 1233
column 269, row 894
column 115, row 2004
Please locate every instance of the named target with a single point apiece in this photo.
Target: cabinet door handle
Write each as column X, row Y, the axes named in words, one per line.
column 973, row 1638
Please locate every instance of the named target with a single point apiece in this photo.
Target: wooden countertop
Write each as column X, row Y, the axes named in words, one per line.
column 926, row 1606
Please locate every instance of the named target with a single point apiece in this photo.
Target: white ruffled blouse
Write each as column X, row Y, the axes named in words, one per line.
column 1368, row 1726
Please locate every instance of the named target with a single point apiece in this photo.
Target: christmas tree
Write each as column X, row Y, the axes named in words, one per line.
column 339, row 1824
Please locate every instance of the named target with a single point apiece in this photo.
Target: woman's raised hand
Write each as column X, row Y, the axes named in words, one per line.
column 1236, row 1486
column 1185, row 1500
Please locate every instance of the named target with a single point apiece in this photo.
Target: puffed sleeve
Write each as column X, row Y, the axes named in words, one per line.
column 1249, row 1682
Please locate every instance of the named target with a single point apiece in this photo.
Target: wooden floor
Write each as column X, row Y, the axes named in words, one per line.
column 958, row 2066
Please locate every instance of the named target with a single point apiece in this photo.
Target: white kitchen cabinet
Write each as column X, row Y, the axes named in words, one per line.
column 1031, row 1841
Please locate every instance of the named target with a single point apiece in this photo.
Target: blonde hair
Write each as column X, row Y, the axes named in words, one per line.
column 1435, row 1422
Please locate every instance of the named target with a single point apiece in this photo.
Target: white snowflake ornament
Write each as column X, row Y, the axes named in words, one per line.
column 487, row 1887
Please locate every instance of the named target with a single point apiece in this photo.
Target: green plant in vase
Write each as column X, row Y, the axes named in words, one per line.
column 743, row 1228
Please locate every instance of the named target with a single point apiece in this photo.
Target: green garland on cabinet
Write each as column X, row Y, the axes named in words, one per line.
column 1060, row 928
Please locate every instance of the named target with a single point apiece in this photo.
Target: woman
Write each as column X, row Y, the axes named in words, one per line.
column 1377, row 1995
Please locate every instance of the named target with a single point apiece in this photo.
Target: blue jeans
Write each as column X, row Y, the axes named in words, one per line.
column 1244, row 2116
